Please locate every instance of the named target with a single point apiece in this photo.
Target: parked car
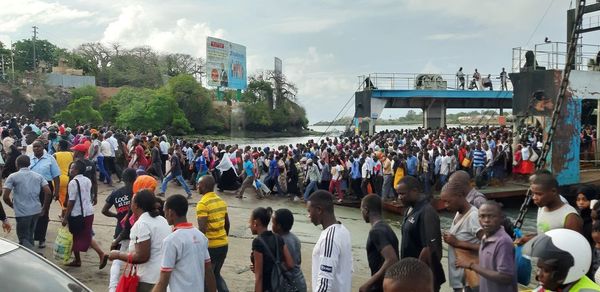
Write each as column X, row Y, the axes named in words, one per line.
column 22, row 270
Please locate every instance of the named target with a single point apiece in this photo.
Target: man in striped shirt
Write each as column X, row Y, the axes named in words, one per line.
column 213, row 221
column 332, row 254
column 479, row 158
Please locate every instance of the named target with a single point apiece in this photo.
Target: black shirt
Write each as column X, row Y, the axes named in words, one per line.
column 175, row 165
column 380, row 236
column 269, row 238
column 121, row 199
column 420, row 229
column 156, row 155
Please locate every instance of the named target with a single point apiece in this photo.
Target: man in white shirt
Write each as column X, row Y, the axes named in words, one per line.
column 106, row 153
column 164, row 152
column 110, row 160
column 182, row 252
column 332, row 254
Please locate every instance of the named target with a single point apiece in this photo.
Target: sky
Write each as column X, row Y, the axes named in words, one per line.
column 325, row 45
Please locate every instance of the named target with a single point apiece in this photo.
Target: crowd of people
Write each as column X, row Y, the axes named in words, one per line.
column 48, row 161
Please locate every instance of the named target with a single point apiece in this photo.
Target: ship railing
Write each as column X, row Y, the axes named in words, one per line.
column 444, row 81
column 553, row 56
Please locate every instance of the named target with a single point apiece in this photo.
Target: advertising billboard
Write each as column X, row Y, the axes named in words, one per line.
column 278, row 66
column 225, row 64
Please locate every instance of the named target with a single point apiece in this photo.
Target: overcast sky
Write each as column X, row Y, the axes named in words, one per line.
column 324, row 45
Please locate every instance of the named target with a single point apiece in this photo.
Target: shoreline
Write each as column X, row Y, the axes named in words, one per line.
column 251, row 134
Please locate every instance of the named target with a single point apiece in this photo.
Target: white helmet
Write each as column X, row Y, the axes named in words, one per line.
column 567, row 249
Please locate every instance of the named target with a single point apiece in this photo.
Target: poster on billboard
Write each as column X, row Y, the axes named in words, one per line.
column 278, row 66
column 226, row 64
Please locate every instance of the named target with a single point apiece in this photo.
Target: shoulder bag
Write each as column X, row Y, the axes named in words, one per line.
column 76, row 223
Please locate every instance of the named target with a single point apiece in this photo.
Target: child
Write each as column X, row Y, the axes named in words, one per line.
column 281, row 223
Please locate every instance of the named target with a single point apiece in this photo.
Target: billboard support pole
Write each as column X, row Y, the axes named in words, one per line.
column 239, row 95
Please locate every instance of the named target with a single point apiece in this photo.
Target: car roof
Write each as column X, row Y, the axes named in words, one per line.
column 6, row 246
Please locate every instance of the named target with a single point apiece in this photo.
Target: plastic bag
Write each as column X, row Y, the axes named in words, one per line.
column 129, row 281
column 63, row 245
column 523, row 264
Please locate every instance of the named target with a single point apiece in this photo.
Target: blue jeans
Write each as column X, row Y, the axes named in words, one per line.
column 104, row 174
column 312, row 186
column 170, row 177
column 25, row 230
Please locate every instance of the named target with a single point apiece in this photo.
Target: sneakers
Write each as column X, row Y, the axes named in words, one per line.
column 162, row 195
column 42, row 244
column 340, row 200
column 189, row 196
column 297, row 199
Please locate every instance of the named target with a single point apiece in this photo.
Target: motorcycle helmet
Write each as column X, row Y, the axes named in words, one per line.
column 567, row 250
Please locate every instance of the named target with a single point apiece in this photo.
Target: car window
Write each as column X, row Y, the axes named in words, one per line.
column 25, row 272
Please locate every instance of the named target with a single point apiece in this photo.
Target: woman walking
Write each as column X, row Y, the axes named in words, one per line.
column 265, row 247
column 146, row 237
column 80, row 204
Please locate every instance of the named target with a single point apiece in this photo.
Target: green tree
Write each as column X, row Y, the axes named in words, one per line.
column 80, row 111
column 194, row 100
column 89, row 90
column 42, row 108
column 45, row 52
column 137, row 67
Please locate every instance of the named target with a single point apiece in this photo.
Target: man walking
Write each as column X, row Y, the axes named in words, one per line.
column 174, row 172
column 213, row 221
column 183, row 251
column 26, row 187
column 249, row 180
column 332, row 254
column 382, row 243
column 45, row 165
column 421, row 233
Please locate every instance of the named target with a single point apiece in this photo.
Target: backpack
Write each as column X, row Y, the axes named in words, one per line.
column 280, row 280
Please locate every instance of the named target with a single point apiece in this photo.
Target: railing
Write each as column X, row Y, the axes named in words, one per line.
column 411, row 81
column 553, row 55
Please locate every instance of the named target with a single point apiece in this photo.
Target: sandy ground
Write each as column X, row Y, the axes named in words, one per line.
column 236, row 268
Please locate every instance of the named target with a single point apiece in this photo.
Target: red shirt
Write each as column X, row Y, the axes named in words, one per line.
column 139, row 152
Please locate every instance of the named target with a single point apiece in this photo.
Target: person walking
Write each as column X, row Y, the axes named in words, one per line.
column 268, row 249
column 382, row 243
column 174, row 172
column 421, row 232
column 64, row 158
column 313, row 177
column 45, row 165
column 281, row 223
column 461, row 78
column 147, row 236
column 213, row 221
column 332, row 254
column 121, row 200
column 26, row 187
column 183, row 251
column 249, row 180
column 80, row 204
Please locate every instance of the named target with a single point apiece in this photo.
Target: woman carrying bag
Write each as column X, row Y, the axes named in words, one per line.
column 80, row 215
column 146, row 237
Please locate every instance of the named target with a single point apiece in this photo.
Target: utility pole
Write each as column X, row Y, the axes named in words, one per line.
column 3, row 73
column 12, row 61
column 34, row 38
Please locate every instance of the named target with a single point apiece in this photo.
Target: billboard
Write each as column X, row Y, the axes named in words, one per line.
column 225, row 64
column 278, row 66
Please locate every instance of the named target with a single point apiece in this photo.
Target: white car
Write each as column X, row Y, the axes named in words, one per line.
column 22, row 270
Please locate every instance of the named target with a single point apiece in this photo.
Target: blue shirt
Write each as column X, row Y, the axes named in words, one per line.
column 249, row 168
column 45, row 166
column 411, row 165
column 356, row 169
column 25, row 186
column 478, row 158
column 273, row 168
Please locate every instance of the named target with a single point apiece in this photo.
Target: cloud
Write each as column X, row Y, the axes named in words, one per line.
column 137, row 26
column 17, row 14
column 452, row 36
column 301, row 24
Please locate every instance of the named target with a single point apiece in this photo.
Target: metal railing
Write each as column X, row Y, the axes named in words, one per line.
column 553, row 55
column 445, row 81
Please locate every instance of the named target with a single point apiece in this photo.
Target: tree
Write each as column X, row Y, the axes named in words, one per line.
column 45, row 52
column 42, row 108
column 159, row 111
column 193, row 99
column 176, row 64
column 80, row 111
column 284, row 90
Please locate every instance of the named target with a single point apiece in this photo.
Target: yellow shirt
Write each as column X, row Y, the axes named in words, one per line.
column 215, row 209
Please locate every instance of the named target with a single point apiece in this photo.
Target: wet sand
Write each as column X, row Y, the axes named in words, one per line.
column 236, row 268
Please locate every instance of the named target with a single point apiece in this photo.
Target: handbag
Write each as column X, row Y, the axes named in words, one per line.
column 76, row 223
column 466, row 163
column 129, row 281
column 533, row 157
